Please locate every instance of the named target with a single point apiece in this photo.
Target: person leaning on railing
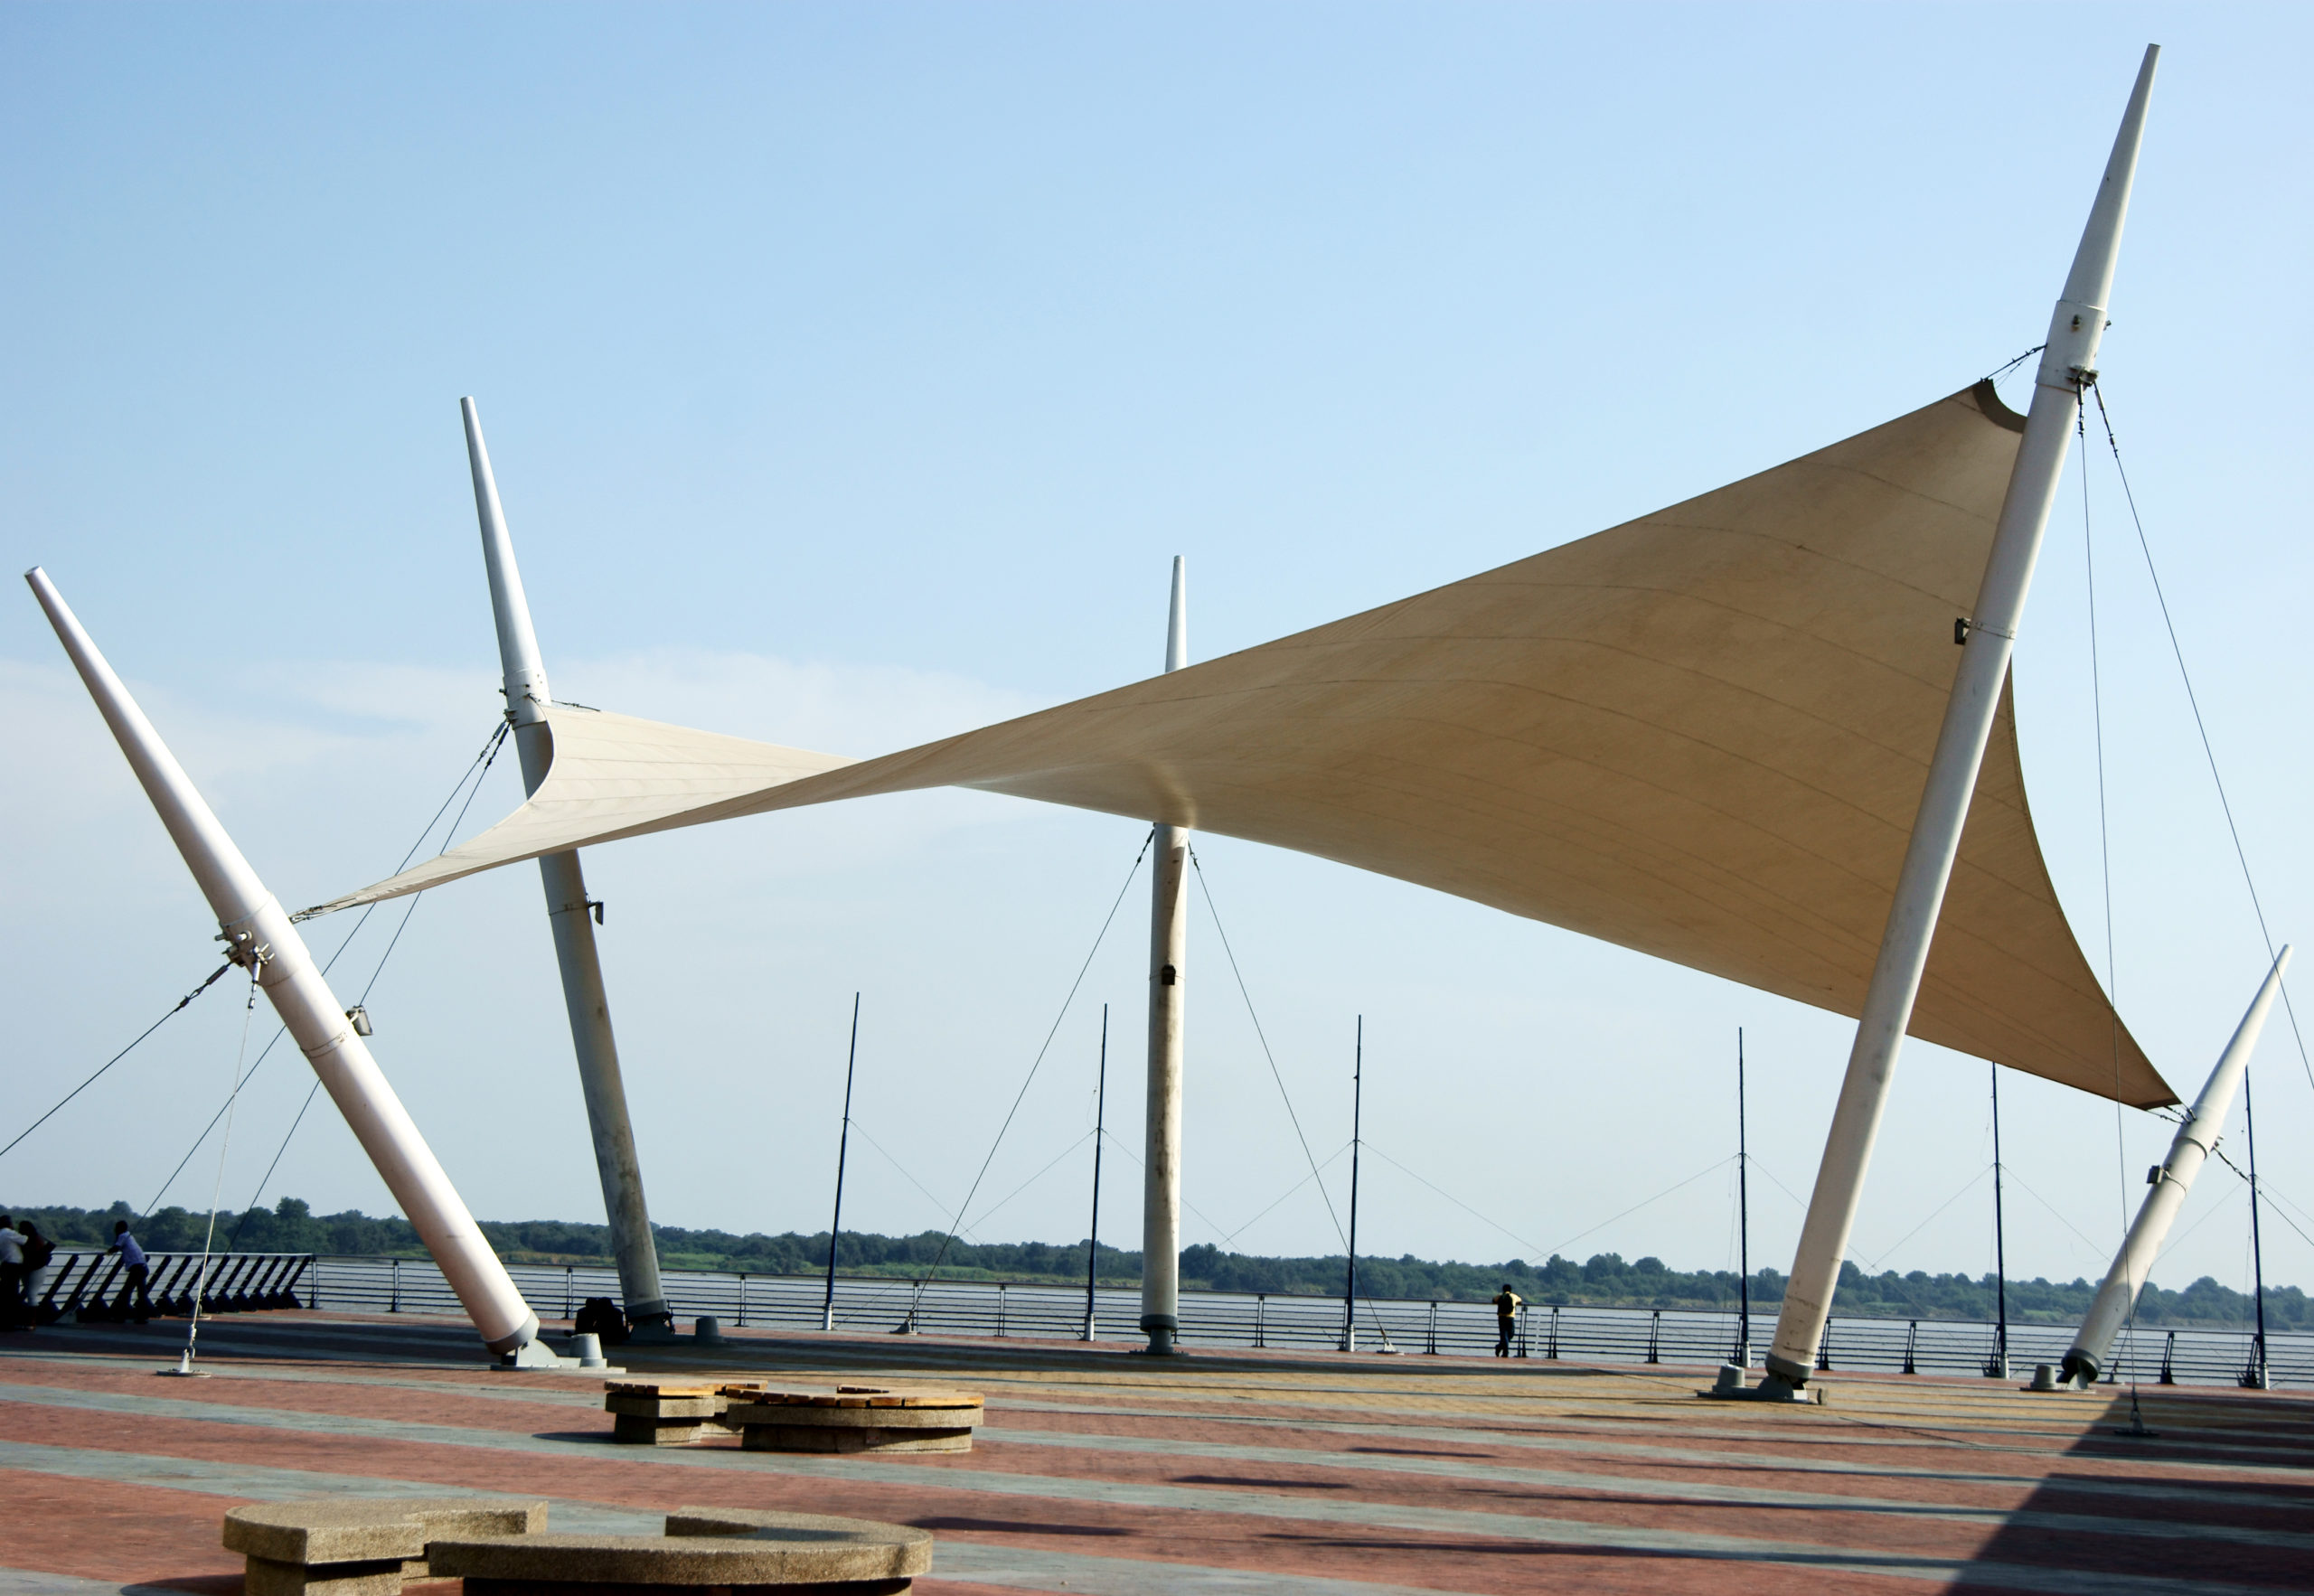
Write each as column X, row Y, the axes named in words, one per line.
column 139, row 1272
column 1506, row 1304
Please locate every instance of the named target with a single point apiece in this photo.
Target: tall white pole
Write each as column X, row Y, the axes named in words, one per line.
column 256, row 930
column 2068, row 364
column 2197, row 1138
column 1161, row 1207
column 568, row 910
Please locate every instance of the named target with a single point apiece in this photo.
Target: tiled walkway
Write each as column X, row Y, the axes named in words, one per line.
column 1102, row 1474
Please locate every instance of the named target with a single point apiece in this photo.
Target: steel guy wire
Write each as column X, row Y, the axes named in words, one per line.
column 484, row 760
column 117, row 1058
column 1450, row 1197
column 224, row 1145
column 1229, row 1241
column 473, row 773
column 2193, row 699
column 1032, row 1179
column 1205, row 889
column 1038, row 1062
column 1635, row 1208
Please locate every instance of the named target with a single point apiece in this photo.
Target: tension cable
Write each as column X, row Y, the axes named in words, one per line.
column 475, row 773
column 117, row 1058
column 257, row 961
column 1037, row 1063
column 1276, row 1075
column 2177, row 651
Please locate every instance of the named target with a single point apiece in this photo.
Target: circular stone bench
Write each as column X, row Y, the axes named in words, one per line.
column 662, row 1412
column 360, row 1546
column 852, row 1417
column 734, row 1550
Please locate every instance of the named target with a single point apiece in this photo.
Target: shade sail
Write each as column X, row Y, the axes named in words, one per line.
column 1702, row 734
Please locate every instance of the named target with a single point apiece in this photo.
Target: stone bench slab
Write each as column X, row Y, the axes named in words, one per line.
column 368, row 1530
column 841, row 1397
column 714, row 1549
column 345, row 1546
column 693, row 1409
column 796, row 1438
column 785, row 1416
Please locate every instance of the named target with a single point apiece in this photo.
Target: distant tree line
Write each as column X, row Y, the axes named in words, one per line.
column 1605, row 1280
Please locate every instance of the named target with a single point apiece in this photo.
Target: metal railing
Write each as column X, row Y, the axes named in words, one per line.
column 96, row 1285
column 2165, row 1355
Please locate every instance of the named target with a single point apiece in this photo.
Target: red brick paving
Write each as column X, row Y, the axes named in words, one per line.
column 2212, row 1442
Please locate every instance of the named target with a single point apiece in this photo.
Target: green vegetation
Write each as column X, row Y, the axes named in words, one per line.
column 1605, row 1280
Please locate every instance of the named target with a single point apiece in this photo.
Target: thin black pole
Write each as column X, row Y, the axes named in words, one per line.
column 1357, row 1110
column 1999, row 1366
column 1100, row 1120
column 842, row 1147
column 2257, row 1369
column 1742, row 1210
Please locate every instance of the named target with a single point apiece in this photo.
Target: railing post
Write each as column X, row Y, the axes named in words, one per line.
column 2168, row 1350
column 1655, row 1337
column 1261, row 1316
column 1551, row 1352
column 1824, row 1347
column 743, row 1299
column 999, row 1309
column 1522, row 1328
column 393, row 1296
column 569, row 1278
column 1433, row 1349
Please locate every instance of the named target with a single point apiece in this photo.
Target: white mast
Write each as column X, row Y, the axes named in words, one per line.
column 2197, row 1138
column 567, row 910
column 2067, row 364
column 254, row 928
column 1161, row 1207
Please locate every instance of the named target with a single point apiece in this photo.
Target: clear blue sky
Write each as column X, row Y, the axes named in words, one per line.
column 853, row 372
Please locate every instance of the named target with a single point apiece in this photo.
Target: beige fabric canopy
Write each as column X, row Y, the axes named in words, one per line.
column 1702, row 734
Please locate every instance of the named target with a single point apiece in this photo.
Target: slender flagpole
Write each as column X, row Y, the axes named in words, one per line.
column 842, row 1148
column 2255, row 1376
column 2068, row 364
column 1357, row 1120
column 570, row 914
column 1998, row 1366
column 1743, row 1213
column 1160, row 1205
column 1100, row 1124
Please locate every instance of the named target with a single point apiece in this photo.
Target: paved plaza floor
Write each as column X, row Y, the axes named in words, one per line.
column 1103, row 1474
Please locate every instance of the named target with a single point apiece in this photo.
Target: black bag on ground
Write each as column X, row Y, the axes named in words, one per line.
column 599, row 1316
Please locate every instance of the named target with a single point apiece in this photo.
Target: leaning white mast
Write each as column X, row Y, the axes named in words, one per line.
column 257, row 933
column 2197, row 1139
column 1160, row 1206
column 568, row 910
column 2068, row 364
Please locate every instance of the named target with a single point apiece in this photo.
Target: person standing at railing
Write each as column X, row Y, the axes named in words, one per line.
column 38, row 1251
column 139, row 1272
column 1506, row 1304
column 12, row 1313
